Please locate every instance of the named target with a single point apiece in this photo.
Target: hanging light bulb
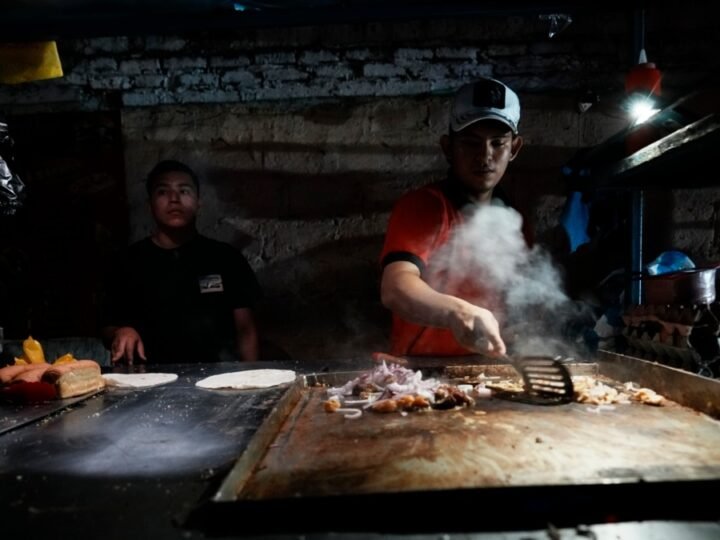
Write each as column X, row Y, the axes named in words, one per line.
column 642, row 85
column 641, row 108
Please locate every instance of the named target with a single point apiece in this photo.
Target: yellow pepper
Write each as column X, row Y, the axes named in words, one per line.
column 33, row 351
column 21, row 361
column 64, row 359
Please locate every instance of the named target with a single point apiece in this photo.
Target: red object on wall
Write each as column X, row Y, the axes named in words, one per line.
column 644, row 78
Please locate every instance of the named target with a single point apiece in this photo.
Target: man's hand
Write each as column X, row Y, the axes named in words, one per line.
column 405, row 292
column 126, row 342
column 477, row 329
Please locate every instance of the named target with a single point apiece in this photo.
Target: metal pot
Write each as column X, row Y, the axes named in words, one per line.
column 696, row 286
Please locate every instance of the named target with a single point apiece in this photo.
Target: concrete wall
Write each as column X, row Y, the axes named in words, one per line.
column 306, row 136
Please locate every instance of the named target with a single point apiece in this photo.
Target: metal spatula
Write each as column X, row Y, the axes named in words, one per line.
column 546, row 381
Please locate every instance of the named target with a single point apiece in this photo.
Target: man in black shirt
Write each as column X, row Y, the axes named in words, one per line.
column 181, row 297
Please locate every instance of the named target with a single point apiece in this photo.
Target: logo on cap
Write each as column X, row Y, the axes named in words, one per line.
column 485, row 99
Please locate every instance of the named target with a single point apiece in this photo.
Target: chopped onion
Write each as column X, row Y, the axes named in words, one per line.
column 350, row 414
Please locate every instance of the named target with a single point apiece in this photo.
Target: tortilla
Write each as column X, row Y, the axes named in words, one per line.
column 138, row 380
column 245, row 380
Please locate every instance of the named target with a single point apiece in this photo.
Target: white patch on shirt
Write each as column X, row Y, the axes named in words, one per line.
column 211, row 283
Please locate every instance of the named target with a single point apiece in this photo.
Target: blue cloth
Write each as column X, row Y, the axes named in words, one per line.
column 574, row 219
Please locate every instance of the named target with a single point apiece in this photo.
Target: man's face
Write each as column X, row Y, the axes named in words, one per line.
column 174, row 200
column 480, row 153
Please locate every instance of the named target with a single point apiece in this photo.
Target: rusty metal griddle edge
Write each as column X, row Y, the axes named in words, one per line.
column 699, row 393
column 257, row 447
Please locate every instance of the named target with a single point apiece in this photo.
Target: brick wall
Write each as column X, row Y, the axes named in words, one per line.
column 373, row 59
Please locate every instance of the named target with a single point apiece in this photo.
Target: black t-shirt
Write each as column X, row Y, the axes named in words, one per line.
column 181, row 300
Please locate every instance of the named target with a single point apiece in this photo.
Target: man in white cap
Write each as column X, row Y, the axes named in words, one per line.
column 434, row 316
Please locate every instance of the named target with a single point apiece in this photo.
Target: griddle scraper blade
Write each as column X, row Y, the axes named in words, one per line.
column 546, row 381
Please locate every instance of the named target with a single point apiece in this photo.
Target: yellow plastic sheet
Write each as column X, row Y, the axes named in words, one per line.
column 24, row 62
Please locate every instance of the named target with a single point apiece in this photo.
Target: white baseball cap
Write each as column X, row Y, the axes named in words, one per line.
column 485, row 99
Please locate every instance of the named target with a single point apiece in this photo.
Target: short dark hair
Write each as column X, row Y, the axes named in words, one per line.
column 166, row 166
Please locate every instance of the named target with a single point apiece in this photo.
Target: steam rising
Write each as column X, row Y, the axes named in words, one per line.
column 490, row 247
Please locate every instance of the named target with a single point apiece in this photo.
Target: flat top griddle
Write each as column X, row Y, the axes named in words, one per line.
column 563, row 464
column 455, row 470
column 495, row 443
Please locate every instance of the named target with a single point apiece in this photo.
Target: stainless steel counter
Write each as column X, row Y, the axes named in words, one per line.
column 126, row 460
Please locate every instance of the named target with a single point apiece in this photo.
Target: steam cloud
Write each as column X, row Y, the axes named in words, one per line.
column 490, row 247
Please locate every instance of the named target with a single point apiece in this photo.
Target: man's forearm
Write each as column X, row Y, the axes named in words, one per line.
column 405, row 293
column 408, row 296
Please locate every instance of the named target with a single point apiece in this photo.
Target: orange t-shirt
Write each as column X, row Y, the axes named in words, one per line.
column 420, row 228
